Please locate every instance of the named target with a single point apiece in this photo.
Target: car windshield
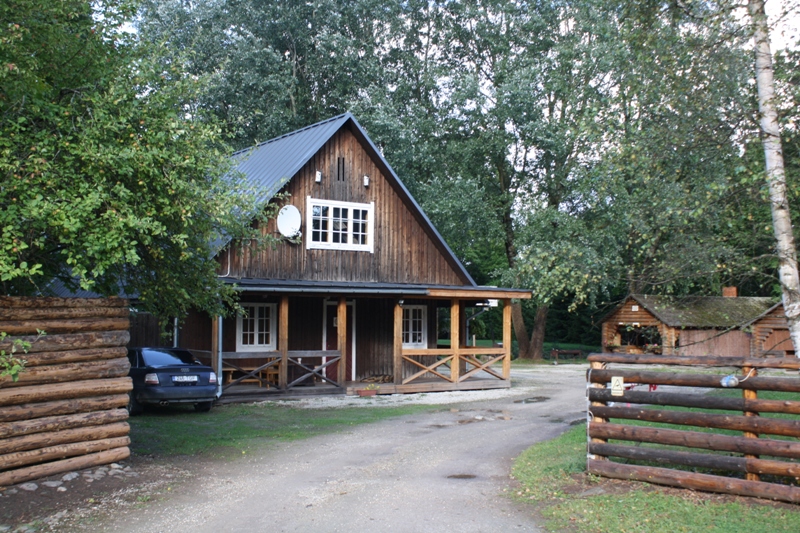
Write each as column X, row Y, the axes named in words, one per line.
column 167, row 357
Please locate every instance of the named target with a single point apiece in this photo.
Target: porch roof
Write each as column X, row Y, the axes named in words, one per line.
column 377, row 289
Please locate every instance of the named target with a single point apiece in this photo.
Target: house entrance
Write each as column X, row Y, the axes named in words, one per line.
column 330, row 338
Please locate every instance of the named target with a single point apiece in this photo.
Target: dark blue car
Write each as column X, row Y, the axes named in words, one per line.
column 166, row 376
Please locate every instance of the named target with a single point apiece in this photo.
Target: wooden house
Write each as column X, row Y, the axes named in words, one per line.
column 359, row 293
column 690, row 325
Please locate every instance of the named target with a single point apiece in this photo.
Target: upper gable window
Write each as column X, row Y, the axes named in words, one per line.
column 340, row 225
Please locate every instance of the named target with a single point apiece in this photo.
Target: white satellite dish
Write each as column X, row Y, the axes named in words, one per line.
column 289, row 221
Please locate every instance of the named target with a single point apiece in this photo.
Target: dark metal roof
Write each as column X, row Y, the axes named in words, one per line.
column 349, row 287
column 57, row 288
column 271, row 164
column 705, row 311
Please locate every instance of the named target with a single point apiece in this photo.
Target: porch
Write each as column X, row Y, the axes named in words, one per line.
column 393, row 365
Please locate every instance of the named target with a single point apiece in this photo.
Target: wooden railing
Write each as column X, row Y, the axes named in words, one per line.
column 461, row 364
column 623, row 404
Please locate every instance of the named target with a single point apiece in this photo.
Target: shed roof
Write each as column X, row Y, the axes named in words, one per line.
column 704, row 311
column 270, row 165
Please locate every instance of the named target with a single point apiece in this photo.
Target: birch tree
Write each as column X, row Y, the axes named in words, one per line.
column 776, row 176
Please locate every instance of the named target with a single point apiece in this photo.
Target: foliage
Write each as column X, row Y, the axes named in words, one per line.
column 10, row 365
column 112, row 180
column 582, row 149
column 547, row 470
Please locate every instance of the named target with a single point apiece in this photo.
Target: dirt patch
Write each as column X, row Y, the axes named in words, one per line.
column 69, row 502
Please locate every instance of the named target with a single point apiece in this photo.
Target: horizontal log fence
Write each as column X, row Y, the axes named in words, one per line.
column 731, row 464
column 67, row 409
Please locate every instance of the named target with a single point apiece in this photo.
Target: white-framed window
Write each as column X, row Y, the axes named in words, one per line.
column 415, row 326
column 255, row 329
column 340, row 225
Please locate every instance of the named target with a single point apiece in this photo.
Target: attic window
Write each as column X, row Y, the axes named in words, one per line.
column 340, row 225
column 634, row 308
column 340, row 169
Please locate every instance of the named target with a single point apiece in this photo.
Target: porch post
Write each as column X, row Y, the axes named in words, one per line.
column 341, row 343
column 455, row 340
column 215, row 347
column 283, row 342
column 507, row 338
column 398, row 343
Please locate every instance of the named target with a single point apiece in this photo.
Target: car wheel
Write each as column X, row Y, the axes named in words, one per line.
column 203, row 407
column 134, row 407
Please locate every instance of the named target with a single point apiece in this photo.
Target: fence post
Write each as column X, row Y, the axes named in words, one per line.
column 591, row 418
column 748, row 394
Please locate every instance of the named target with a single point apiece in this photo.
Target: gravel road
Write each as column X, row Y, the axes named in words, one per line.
column 445, row 471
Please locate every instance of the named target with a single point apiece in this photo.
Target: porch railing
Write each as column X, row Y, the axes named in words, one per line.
column 456, row 366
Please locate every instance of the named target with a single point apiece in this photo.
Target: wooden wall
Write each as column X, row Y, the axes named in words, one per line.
column 146, row 331
column 626, row 315
column 405, row 251
column 714, row 342
column 771, row 335
column 67, row 410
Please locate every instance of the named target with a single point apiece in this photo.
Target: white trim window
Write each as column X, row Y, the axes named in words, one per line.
column 340, row 225
column 415, row 326
column 255, row 330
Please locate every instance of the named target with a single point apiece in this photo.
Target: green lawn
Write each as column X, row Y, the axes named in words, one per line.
column 552, row 477
column 231, row 430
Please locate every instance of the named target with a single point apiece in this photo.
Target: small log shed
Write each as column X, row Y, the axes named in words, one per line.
column 696, row 325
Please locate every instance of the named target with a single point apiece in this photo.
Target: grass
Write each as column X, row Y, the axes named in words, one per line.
column 233, row 430
column 547, row 471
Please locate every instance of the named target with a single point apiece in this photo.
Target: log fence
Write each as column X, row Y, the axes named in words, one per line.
column 728, row 463
column 67, row 409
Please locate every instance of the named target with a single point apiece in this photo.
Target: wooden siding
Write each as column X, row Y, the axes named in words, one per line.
column 405, row 250
column 626, row 316
column 146, row 331
column 771, row 335
column 195, row 332
column 735, row 343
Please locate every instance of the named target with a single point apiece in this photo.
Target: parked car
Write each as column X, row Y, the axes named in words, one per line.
column 166, row 376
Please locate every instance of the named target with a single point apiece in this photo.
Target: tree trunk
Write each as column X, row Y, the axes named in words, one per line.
column 776, row 178
column 537, row 335
column 519, row 330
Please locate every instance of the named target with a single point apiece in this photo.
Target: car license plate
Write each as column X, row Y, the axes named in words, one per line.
column 184, row 379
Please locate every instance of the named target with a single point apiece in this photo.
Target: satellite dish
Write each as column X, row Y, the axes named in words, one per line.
column 289, row 221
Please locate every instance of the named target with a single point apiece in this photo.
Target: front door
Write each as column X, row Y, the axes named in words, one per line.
column 330, row 338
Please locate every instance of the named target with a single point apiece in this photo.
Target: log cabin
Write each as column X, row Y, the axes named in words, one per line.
column 356, row 291
column 695, row 325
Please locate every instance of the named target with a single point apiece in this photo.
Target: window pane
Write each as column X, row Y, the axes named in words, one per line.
column 319, row 223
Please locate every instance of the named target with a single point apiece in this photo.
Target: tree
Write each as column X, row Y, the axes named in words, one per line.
column 110, row 179
column 775, row 173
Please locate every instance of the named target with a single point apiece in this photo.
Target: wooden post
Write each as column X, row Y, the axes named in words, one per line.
column 455, row 340
column 341, row 343
column 215, row 347
column 398, row 343
column 283, row 342
column 595, row 419
column 750, row 395
column 507, row 338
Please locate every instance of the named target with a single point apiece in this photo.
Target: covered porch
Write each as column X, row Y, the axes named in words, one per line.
column 367, row 336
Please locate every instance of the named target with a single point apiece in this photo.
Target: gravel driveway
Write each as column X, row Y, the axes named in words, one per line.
column 445, row 471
